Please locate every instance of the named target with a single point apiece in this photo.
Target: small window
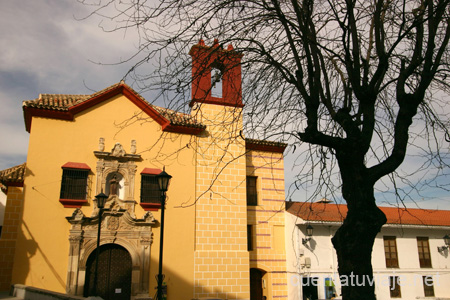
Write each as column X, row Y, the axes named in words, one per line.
column 250, row 237
column 74, row 184
column 394, row 287
column 252, row 195
column 424, row 252
column 390, row 251
column 150, row 189
column 428, row 288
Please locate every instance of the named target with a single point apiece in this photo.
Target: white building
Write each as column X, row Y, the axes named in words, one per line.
column 410, row 249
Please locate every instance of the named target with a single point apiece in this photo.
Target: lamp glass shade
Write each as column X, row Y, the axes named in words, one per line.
column 101, row 200
column 163, row 181
column 447, row 239
column 309, row 230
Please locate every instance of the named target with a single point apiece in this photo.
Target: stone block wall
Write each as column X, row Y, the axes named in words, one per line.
column 268, row 221
column 221, row 256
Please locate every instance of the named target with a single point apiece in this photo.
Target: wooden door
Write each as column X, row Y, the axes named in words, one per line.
column 114, row 273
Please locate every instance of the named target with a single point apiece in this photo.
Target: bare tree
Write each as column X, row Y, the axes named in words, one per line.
column 346, row 77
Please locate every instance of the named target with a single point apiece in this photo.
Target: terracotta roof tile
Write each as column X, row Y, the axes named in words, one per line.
column 327, row 212
column 177, row 118
column 13, row 175
column 55, row 101
column 62, row 102
column 265, row 145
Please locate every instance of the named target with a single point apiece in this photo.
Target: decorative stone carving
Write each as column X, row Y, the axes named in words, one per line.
column 133, row 147
column 113, row 185
column 118, row 150
column 75, row 239
column 77, row 215
column 147, row 240
column 113, row 223
column 101, row 144
column 115, row 174
column 118, row 227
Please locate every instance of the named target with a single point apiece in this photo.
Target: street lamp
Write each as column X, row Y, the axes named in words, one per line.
column 447, row 244
column 101, row 200
column 163, row 183
column 309, row 233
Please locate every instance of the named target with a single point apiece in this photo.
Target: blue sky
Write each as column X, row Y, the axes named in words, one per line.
column 47, row 49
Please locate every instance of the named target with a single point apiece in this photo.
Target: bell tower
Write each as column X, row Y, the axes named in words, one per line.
column 221, row 257
column 216, row 75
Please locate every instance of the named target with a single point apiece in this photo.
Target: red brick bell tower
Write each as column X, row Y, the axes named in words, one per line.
column 216, row 75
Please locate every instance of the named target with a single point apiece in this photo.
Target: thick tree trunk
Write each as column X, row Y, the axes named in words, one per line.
column 353, row 243
column 354, row 239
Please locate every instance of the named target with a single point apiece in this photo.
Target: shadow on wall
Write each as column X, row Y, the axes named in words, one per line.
column 30, row 249
column 178, row 288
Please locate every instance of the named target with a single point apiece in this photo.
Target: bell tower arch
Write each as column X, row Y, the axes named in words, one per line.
column 216, row 75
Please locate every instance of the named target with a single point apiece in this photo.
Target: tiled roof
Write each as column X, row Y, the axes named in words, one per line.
column 177, row 118
column 13, row 175
column 63, row 102
column 264, row 145
column 55, row 101
column 327, row 212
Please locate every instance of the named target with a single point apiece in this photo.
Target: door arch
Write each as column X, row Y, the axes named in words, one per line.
column 256, row 284
column 114, row 273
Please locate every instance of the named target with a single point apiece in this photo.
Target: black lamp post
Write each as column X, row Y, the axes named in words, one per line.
column 163, row 182
column 101, row 200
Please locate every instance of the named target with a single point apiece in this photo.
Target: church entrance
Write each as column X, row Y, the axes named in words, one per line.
column 114, row 273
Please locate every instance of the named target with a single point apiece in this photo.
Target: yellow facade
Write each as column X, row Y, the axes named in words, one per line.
column 221, row 256
column 206, row 251
column 43, row 246
column 267, row 221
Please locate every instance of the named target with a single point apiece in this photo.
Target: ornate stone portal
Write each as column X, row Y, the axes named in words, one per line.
column 115, row 172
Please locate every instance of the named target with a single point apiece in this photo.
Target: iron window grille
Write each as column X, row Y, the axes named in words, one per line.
column 74, row 184
column 150, row 189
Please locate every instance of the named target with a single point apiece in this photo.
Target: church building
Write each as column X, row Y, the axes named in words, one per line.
column 224, row 235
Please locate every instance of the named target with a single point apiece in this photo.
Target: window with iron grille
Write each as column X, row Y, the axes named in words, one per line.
column 394, row 287
column 150, row 189
column 424, row 252
column 428, row 288
column 390, row 251
column 74, row 184
column 252, row 194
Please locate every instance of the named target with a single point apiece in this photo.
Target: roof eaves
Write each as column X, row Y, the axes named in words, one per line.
column 169, row 120
column 13, row 176
column 264, row 145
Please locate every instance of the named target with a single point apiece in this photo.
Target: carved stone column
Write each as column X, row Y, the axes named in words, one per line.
column 75, row 239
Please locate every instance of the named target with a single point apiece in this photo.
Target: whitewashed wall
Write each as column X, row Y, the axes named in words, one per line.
column 323, row 259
